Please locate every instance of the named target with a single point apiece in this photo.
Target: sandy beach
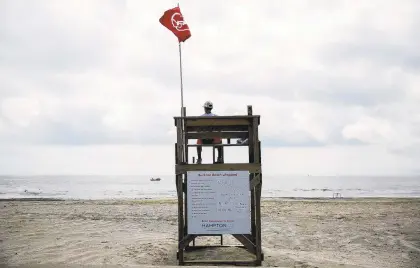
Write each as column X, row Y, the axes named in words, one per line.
column 296, row 233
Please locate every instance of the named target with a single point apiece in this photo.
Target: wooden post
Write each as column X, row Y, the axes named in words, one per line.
column 185, row 144
column 180, row 187
column 251, row 176
column 257, row 204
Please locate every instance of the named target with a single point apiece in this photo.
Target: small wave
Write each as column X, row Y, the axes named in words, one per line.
column 27, row 192
column 325, row 190
column 314, row 189
column 35, row 192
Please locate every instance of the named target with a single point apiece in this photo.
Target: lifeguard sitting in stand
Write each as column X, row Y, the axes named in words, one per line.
column 208, row 106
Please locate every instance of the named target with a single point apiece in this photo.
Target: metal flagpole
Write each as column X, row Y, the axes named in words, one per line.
column 182, row 102
column 180, row 74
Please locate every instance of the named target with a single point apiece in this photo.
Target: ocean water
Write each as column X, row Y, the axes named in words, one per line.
column 140, row 187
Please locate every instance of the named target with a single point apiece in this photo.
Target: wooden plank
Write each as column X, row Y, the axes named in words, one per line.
column 231, row 117
column 253, row 168
column 216, row 121
column 228, row 117
column 223, row 262
column 249, row 236
column 215, row 128
column 217, row 145
column 198, row 235
column 193, row 248
column 246, row 242
column 218, row 134
column 191, row 118
column 185, row 241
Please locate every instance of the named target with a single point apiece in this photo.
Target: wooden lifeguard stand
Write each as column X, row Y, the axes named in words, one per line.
column 227, row 127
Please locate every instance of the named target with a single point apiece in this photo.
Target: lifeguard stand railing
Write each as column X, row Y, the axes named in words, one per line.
column 187, row 175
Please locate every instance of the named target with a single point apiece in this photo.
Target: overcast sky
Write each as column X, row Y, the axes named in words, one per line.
column 91, row 87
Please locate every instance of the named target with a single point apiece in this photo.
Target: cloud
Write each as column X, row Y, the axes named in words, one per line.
column 330, row 74
column 52, row 37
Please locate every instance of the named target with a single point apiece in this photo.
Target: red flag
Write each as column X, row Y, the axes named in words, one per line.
column 174, row 21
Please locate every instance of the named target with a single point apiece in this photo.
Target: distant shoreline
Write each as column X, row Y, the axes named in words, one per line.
column 171, row 200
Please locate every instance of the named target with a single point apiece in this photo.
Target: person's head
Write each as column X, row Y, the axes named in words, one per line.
column 208, row 106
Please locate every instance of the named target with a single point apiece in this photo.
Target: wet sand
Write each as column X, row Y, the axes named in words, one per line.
column 296, row 233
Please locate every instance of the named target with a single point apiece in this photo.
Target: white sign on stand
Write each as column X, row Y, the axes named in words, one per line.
column 218, row 202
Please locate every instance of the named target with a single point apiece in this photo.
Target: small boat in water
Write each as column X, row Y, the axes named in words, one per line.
column 155, row 179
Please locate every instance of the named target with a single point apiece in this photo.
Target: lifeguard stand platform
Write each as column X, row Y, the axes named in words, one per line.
column 226, row 127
